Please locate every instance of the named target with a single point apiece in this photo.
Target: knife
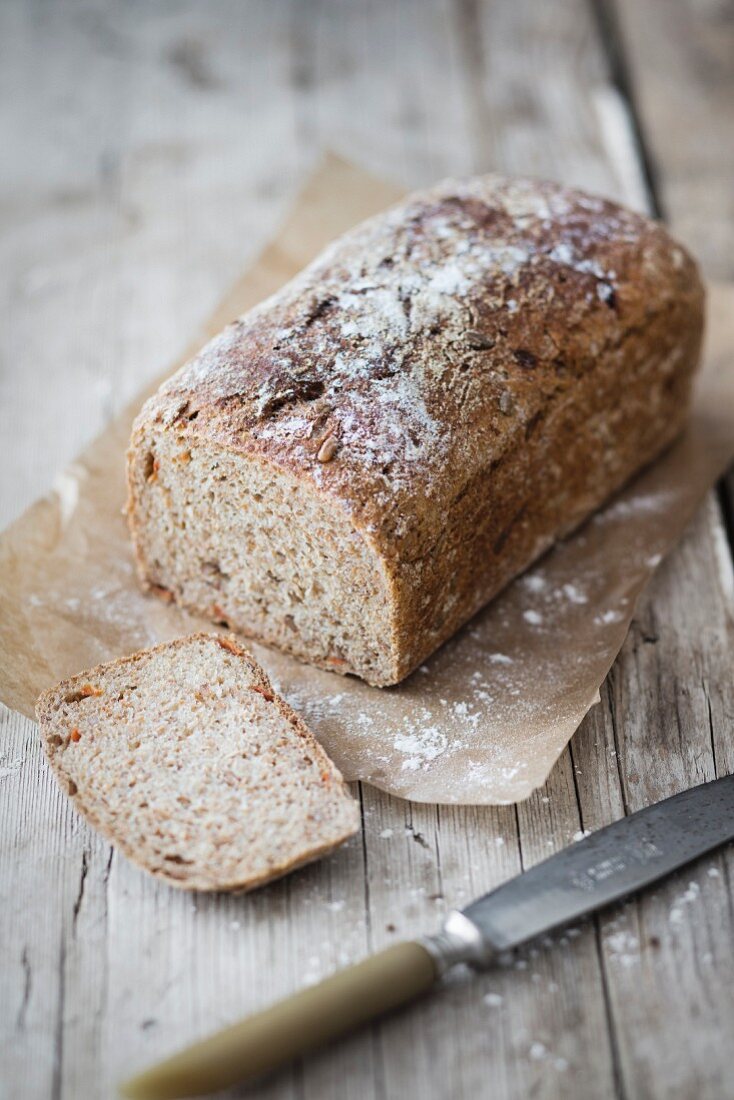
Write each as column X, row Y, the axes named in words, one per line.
column 604, row 867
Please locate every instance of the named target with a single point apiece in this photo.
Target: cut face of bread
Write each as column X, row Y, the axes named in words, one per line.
column 184, row 757
column 260, row 552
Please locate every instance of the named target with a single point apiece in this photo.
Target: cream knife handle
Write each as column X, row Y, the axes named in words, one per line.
column 292, row 1027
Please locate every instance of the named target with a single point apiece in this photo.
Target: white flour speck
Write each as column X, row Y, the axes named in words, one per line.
column 421, row 748
column 610, row 616
column 623, row 948
column 534, row 582
column 532, row 617
column 677, row 913
column 573, row 593
column 644, row 503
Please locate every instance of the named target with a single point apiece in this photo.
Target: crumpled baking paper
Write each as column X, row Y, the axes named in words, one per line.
column 486, row 718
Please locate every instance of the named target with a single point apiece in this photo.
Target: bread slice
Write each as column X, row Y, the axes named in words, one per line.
column 186, row 759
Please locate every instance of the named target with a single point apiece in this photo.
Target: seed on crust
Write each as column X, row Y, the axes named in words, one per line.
column 84, row 692
column 478, row 340
column 328, row 449
column 162, row 592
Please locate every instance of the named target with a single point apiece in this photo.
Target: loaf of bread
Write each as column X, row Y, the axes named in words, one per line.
column 355, row 467
column 186, row 759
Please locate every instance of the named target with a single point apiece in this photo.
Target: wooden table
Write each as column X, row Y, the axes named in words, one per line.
column 148, row 150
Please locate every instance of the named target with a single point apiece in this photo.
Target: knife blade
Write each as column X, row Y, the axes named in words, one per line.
column 606, row 866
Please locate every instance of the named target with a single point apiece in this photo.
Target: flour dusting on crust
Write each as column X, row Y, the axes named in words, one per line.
column 408, row 327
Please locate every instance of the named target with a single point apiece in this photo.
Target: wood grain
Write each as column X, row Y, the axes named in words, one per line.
column 155, row 146
column 679, row 62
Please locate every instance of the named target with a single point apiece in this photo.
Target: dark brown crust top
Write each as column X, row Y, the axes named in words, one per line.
column 418, row 348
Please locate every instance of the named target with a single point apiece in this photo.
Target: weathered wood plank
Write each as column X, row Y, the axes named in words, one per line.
column 38, row 888
column 665, row 715
column 680, row 65
column 687, row 119
column 669, row 702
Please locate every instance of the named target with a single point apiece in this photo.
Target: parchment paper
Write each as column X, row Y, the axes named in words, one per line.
column 485, row 720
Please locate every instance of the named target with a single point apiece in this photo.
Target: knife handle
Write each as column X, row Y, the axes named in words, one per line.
column 291, row 1027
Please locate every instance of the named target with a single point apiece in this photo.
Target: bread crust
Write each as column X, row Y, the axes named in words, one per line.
column 56, row 744
column 466, row 377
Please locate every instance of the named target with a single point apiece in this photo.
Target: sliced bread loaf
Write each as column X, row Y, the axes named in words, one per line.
column 187, row 760
column 356, row 466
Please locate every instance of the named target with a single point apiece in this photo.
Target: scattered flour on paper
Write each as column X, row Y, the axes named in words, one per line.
column 642, row 503
column 612, row 615
column 421, row 747
column 534, row 582
column 574, row 594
